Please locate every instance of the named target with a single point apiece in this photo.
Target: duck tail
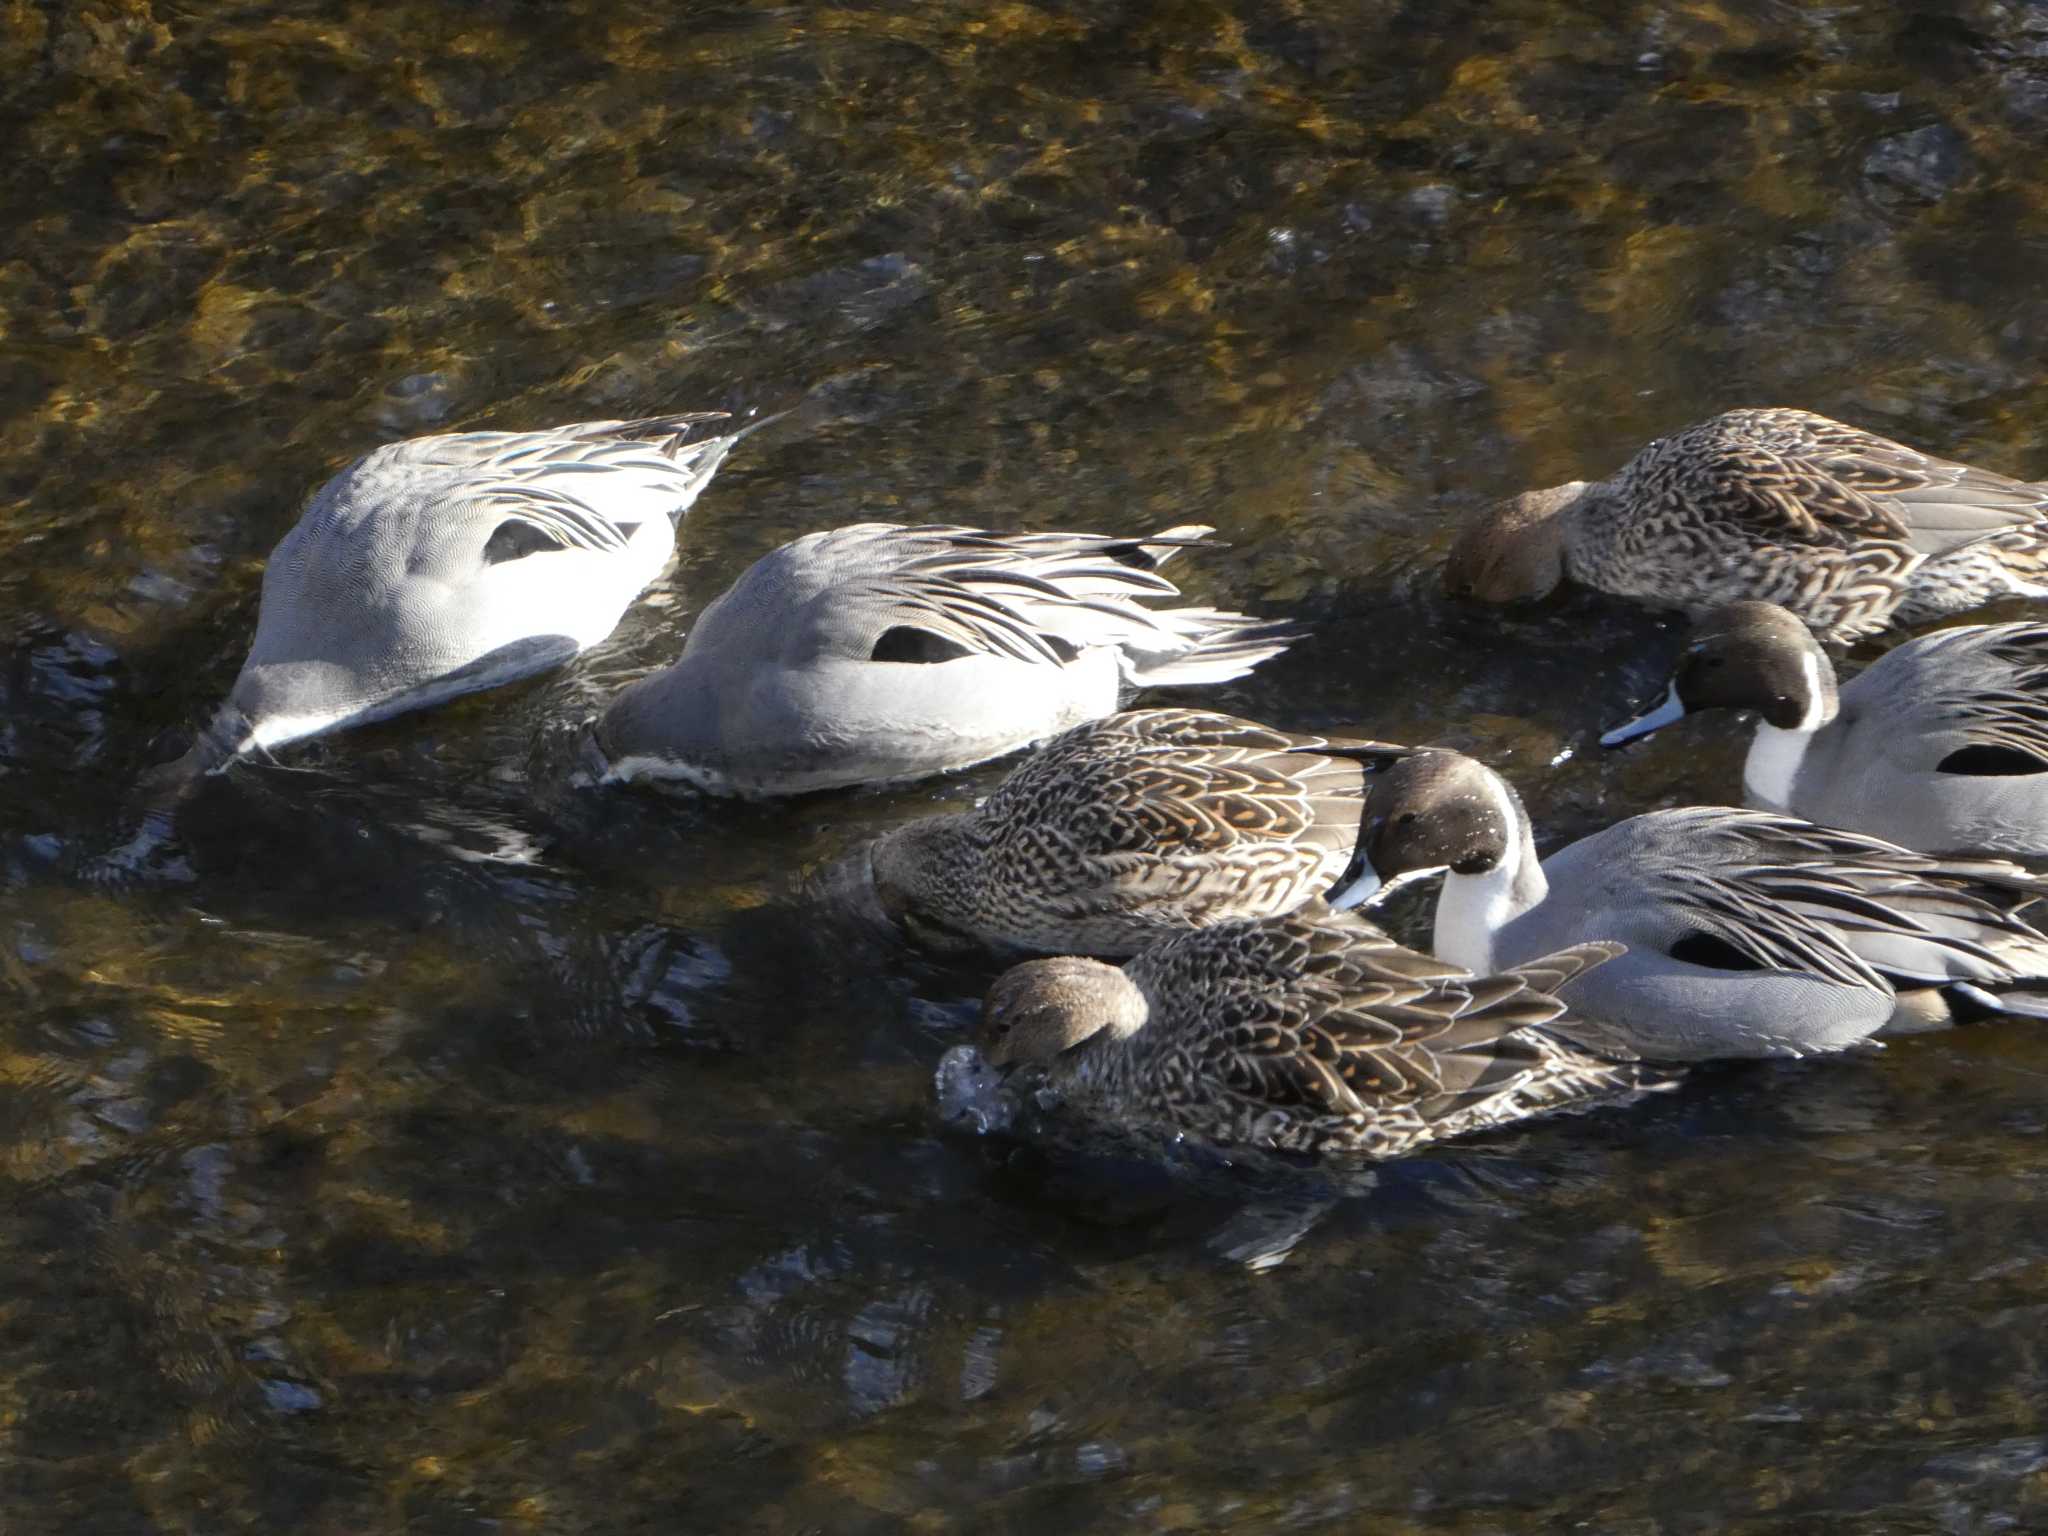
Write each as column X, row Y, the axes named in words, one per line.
column 672, row 434
column 1153, row 551
column 2022, row 1001
column 1586, row 1083
column 2022, row 550
column 697, row 441
column 1204, row 645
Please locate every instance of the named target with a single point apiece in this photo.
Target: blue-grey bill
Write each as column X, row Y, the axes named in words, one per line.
column 1363, row 888
column 1368, row 890
column 1671, row 710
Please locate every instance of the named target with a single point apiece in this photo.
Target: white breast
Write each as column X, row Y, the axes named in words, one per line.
column 1773, row 766
column 1775, row 755
column 1469, row 912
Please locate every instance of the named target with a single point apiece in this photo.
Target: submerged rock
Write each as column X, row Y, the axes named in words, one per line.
column 1922, row 166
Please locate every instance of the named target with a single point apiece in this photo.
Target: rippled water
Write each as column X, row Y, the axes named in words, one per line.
column 422, row 1143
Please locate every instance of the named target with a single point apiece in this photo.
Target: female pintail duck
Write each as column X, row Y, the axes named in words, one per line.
column 1130, row 828
column 443, row 565
column 1850, row 531
column 880, row 654
column 1748, row 934
column 1312, row 1032
column 1941, row 745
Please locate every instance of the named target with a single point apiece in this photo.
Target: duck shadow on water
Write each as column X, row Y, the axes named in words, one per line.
column 1391, row 655
column 1108, row 1195
column 528, row 872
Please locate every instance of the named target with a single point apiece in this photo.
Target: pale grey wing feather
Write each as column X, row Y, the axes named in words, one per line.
column 670, row 435
column 559, row 518
column 648, row 439
column 1898, row 928
column 2007, row 721
column 1771, row 935
column 1034, row 597
column 977, row 621
column 1783, row 839
column 1852, row 909
column 2010, row 714
column 585, row 485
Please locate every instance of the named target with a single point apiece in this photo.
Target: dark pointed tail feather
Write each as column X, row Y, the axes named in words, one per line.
column 673, row 433
column 1150, row 553
column 1231, row 645
column 764, row 421
column 1373, row 756
column 2009, row 886
column 710, row 452
column 670, row 431
column 1970, row 1003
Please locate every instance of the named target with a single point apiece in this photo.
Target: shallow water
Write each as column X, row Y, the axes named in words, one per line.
column 420, row 1142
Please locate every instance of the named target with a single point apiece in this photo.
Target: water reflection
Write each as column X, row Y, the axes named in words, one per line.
column 415, row 1140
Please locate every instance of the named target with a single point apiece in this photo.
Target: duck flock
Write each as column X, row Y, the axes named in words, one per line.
column 1872, row 886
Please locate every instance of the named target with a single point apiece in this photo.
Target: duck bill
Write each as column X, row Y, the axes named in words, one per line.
column 1368, row 889
column 1361, row 889
column 1668, row 711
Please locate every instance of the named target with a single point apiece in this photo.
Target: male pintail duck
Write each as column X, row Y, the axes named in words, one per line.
column 879, row 654
column 1850, row 531
column 1312, row 1032
column 1127, row 829
column 1748, row 933
column 1940, row 745
column 443, row 565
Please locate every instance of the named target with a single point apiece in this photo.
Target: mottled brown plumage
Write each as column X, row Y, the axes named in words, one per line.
column 1850, row 531
column 1311, row 1032
column 1126, row 829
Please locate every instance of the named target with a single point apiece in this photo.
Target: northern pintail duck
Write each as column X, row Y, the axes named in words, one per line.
column 443, row 565
column 880, row 654
column 1941, row 744
column 1130, row 828
column 1748, row 933
column 1312, row 1032
column 1850, row 531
